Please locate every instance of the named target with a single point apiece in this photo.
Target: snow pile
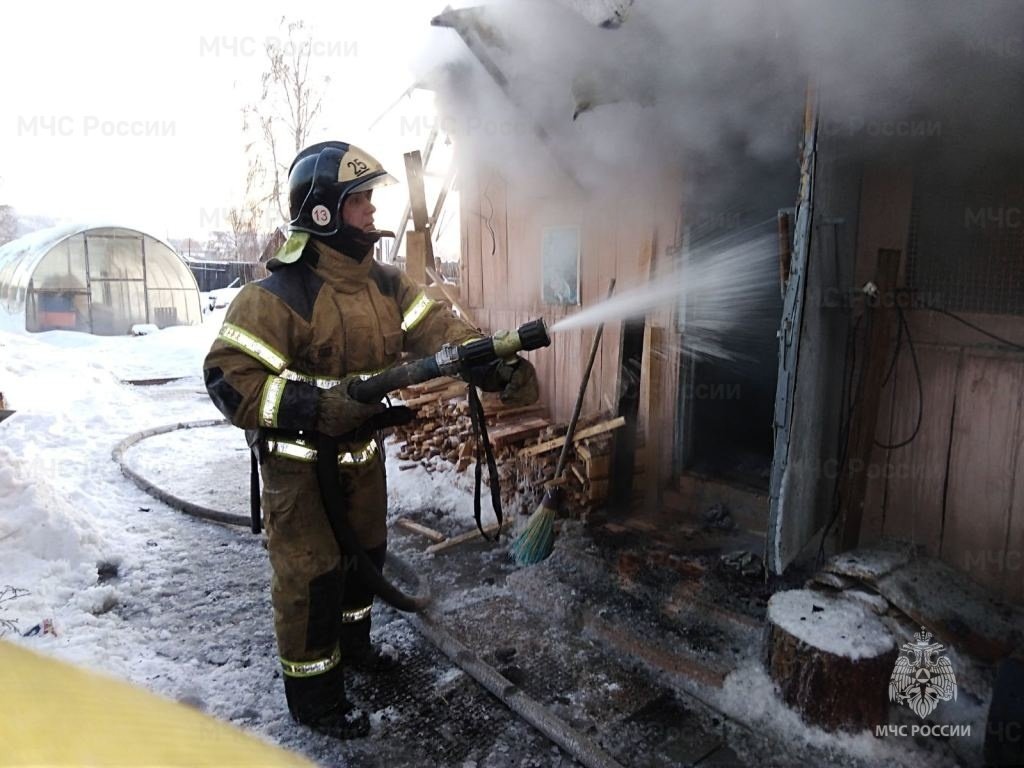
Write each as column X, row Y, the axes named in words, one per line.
column 38, row 523
column 48, row 381
column 175, row 351
column 750, row 696
column 837, row 626
column 65, row 509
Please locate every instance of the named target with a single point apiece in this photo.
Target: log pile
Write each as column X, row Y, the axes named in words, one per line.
column 525, row 442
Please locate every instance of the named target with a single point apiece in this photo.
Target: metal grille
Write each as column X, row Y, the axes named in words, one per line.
column 432, row 714
column 638, row 721
column 966, row 245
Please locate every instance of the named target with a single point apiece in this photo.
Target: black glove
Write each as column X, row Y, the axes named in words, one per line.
column 395, row 416
column 516, row 380
column 338, row 413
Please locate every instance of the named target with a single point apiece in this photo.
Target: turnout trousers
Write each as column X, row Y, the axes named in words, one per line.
column 321, row 609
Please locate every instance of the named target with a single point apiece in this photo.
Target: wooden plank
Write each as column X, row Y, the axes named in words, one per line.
column 1013, row 557
column 449, row 295
column 613, row 261
column 472, row 277
column 523, row 239
column 494, row 239
column 929, row 327
column 853, row 483
column 454, row 390
column 434, row 385
column 501, row 414
column 462, row 538
column 652, row 397
column 969, row 618
column 624, row 446
column 597, row 490
column 916, row 473
column 515, row 432
column 417, row 192
column 416, row 256
column 404, row 223
column 674, row 661
column 600, row 468
column 983, row 459
column 873, row 517
column 422, row 530
column 419, row 249
column 608, row 383
column 578, row 473
column 558, row 442
column 871, row 564
column 885, row 203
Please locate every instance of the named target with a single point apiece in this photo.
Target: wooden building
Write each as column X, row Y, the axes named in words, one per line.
column 891, row 412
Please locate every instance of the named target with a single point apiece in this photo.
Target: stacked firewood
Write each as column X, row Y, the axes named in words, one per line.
column 525, row 442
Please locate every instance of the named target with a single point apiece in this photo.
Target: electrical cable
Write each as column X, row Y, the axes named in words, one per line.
column 917, row 376
column 850, row 397
column 903, row 329
column 488, row 219
column 895, row 354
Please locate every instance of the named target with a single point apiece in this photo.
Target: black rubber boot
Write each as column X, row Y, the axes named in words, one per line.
column 319, row 702
column 373, row 657
column 357, row 652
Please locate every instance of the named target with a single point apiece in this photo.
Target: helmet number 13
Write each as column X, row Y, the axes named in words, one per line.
column 321, row 215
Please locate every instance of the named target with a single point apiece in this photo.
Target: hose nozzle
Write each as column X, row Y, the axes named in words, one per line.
column 505, row 344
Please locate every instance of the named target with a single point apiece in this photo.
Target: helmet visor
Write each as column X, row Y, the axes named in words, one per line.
column 383, row 179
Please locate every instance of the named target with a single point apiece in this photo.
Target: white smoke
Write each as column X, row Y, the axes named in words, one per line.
column 698, row 83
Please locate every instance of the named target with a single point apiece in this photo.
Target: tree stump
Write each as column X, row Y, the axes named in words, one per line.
column 831, row 658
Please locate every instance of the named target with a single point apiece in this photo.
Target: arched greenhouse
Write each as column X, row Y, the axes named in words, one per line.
column 100, row 280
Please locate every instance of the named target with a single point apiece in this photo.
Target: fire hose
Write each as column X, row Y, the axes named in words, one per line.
column 450, row 360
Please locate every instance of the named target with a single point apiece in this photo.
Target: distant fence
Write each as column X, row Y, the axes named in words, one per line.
column 220, row 274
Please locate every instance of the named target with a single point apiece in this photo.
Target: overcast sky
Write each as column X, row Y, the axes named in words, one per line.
column 132, row 111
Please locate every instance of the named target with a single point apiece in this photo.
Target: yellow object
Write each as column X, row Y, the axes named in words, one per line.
column 53, row 714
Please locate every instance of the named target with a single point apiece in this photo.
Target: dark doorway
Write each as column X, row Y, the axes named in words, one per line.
column 727, row 398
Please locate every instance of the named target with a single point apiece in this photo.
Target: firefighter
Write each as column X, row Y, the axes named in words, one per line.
column 280, row 369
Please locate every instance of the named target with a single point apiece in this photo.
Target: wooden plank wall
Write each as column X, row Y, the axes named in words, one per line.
column 500, row 283
column 983, row 457
column 957, row 490
column 883, row 222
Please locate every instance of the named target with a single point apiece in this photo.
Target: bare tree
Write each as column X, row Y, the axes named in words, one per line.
column 8, row 224
column 275, row 127
column 290, row 102
column 248, row 223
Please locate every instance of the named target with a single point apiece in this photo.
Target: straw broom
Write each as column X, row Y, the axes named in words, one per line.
column 537, row 540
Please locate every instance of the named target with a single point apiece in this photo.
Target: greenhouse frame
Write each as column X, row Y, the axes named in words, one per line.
column 96, row 279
